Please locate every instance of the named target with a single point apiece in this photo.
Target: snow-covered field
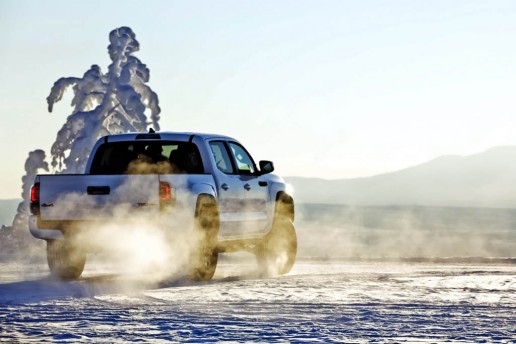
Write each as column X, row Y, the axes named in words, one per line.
column 319, row 301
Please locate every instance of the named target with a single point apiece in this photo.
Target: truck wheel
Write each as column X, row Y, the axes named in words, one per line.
column 278, row 250
column 64, row 261
column 206, row 227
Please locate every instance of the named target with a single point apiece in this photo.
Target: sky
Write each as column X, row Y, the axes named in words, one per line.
column 326, row 89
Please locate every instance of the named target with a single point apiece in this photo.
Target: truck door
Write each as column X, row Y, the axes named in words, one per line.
column 255, row 188
column 231, row 194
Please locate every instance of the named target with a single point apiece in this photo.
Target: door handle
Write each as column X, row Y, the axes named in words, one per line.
column 247, row 187
column 262, row 183
column 98, row 190
column 224, row 186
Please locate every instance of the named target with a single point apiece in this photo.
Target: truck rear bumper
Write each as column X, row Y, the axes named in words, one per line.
column 46, row 234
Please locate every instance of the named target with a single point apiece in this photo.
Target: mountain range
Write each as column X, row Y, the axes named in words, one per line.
column 486, row 179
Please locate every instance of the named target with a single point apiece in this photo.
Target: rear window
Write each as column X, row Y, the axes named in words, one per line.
column 147, row 157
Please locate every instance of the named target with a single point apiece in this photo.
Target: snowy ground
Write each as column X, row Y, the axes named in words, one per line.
column 318, row 301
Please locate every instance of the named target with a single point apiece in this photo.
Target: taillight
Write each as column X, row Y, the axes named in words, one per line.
column 34, row 193
column 34, row 199
column 166, row 195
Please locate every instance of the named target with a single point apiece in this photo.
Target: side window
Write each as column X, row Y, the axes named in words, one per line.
column 221, row 156
column 243, row 161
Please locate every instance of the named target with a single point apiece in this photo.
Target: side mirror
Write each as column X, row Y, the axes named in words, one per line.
column 266, row 167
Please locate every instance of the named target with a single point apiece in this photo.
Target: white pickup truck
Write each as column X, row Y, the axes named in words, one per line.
column 232, row 204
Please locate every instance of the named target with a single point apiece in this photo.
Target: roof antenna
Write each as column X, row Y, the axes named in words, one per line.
column 151, row 131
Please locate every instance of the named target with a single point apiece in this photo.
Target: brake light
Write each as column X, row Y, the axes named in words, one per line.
column 34, row 199
column 34, row 193
column 165, row 191
column 166, row 195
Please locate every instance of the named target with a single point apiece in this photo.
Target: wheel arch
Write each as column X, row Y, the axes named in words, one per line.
column 285, row 205
column 202, row 196
column 199, row 191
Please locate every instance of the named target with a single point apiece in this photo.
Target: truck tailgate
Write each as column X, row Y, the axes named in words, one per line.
column 90, row 197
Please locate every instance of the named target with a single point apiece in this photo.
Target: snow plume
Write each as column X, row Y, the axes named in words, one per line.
column 404, row 232
column 134, row 236
column 140, row 245
column 115, row 102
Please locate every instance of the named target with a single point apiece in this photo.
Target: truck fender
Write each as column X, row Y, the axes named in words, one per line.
column 284, row 202
column 201, row 190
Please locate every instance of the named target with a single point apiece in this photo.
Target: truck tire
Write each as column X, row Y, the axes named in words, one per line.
column 64, row 261
column 278, row 249
column 205, row 255
column 277, row 252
